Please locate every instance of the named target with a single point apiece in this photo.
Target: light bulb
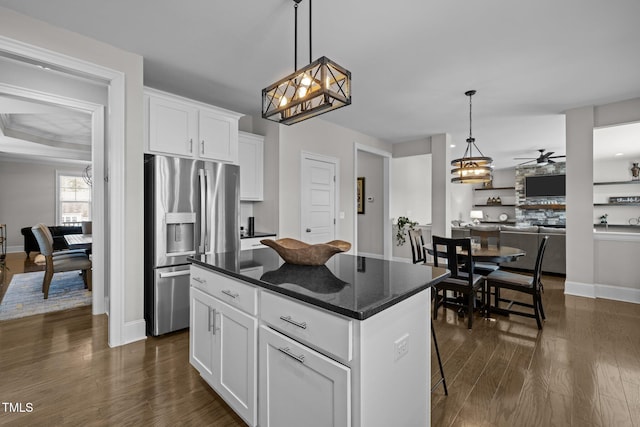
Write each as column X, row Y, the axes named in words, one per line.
column 302, row 91
column 283, row 101
column 306, row 80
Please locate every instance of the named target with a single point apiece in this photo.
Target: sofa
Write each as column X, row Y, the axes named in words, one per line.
column 529, row 238
column 57, row 231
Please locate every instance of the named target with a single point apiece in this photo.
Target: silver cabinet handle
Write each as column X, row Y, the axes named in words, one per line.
column 286, row 351
column 190, row 145
column 231, row 294
column 199, row 280
column 202, row 145
column 288, row 319
column 213, row 327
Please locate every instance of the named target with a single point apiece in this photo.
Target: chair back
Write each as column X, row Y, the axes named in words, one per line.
column 46, row 246
column 47, row 232
column 487, row 234
column 87, row 227
column 537, row 271
column 417, row 245
column 450, row 249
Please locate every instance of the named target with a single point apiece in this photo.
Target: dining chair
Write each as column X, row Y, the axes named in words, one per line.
column 457, row 253
column 417, row 245
column 488, row 235
column 69, row 262
column 61, row 253
column 418, row 253
column 529, row 285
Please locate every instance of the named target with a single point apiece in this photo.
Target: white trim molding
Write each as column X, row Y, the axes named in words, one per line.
column 598, row 290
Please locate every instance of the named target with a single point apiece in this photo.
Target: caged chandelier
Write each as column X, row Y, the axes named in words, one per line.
column 315, row 89
column 470, row 169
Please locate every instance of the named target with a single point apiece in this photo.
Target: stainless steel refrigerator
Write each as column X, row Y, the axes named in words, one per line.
column 191, row 207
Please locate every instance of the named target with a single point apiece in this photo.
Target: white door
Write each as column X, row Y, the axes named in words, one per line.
column 172, row 126
column 318, row 216
column 237, row 358
column 299, row 386
column 201, row 340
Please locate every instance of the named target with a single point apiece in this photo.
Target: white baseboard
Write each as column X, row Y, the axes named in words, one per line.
column 12, row 249
column 134, row 331
column 368, row 255
column 598, row 290
column 401, row 259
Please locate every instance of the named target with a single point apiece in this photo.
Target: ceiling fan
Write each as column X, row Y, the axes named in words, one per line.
column 542, row 159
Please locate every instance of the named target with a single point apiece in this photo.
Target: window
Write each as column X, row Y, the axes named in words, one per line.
column 73, row 198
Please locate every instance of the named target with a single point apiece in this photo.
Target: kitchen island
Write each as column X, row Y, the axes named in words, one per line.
column 344, row 344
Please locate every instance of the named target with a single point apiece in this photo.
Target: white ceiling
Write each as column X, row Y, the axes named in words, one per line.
column 411, row 60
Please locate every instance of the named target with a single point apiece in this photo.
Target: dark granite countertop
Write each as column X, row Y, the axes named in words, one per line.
column 356, row 287
column 257, row 234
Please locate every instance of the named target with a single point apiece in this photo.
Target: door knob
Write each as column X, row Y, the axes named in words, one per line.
column 308, row 230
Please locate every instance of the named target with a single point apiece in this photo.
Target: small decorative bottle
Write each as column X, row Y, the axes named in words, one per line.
column 635, row 172
column 498, row 200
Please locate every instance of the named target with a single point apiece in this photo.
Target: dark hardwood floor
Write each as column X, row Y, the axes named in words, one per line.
column 583, row 369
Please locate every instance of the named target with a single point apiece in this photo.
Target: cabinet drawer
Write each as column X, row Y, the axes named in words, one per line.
column 314, row 326
column 233, row 292
column 253, row 243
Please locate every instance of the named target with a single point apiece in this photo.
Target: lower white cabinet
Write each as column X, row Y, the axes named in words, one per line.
column 223, row 349
column 299, row 386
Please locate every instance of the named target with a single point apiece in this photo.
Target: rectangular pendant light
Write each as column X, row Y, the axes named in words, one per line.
column 315, row 89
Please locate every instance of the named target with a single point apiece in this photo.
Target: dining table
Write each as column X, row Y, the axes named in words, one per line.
column 490, row 253
column 79, row 241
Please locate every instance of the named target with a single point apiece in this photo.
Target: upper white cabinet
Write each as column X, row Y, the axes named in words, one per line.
column 251, row 158
column 185, row 128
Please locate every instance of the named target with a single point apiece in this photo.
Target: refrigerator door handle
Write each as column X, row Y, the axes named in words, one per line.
column 207, row 234
column 175, row 274
column 203, row 210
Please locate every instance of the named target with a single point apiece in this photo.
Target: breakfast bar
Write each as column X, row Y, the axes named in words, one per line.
column 345, row 343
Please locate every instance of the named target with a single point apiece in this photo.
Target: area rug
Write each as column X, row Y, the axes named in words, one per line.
column 24, row 296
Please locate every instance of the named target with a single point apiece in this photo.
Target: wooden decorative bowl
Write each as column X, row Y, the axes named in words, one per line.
column 300, row 253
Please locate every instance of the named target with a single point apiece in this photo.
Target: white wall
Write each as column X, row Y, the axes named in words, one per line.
column 370, row 166
column 28, row 194
column 411, row 188
column 27, row 30
column 598, row 265
column 324, row 138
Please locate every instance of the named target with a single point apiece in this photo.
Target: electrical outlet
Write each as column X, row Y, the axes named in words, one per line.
column 401, row 347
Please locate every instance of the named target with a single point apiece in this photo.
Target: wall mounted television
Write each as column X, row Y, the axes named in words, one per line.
column 545, row 186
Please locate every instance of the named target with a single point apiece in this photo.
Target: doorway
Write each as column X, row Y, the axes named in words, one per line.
column 111, row 209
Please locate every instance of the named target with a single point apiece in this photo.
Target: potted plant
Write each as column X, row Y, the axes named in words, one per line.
column 403, row 222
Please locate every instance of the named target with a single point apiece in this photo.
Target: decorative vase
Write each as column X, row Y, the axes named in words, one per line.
column 635, row 172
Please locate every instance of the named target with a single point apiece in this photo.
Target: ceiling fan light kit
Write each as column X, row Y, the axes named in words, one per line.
column 315, row 89
column 470, row 169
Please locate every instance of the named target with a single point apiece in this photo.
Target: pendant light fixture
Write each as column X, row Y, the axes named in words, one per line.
column 312, row 90
column 470, row 169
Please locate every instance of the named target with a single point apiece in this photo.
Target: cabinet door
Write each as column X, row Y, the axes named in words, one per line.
column 173, row 127
column 201, row 335
column 300, row 387
column 236, row 348
column 251, row 159
column 218, row 137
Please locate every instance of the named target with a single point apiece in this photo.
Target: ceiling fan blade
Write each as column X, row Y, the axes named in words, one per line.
column 524, row 158
column 546, row 155
column 557, row 157
column 528, row 161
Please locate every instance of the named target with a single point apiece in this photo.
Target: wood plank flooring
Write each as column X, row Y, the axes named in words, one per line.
column 583, row 369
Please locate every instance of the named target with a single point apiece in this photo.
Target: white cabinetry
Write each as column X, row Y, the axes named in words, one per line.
column 185, row 128
column 251, row 159
column 223, row 344
column 299, row 386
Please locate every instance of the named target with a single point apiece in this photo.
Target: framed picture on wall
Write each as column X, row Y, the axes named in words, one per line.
column 360, row 194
